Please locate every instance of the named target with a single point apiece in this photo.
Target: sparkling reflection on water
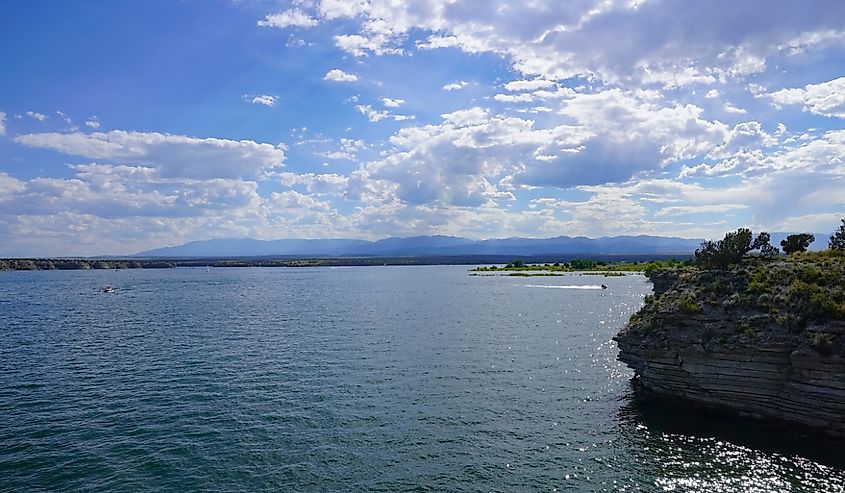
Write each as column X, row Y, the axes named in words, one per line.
column 352, row 379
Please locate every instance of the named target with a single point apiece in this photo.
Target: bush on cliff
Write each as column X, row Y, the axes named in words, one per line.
column 837, row 241
column 733, row 248
column 796, row 243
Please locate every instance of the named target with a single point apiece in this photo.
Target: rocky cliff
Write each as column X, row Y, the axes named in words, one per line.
column 764, row 339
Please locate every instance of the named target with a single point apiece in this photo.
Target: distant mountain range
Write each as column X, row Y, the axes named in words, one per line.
column 429, row 246
column 424, row 246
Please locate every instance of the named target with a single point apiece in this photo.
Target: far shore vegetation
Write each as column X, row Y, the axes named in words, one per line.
column 607, row 268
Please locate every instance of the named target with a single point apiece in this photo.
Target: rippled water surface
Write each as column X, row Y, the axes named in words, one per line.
column 352, row 379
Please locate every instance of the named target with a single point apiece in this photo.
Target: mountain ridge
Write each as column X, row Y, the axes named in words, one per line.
column 443, row 245
column 435, row 245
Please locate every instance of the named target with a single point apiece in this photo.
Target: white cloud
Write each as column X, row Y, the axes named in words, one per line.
column 668, row 43
column 108, row 191
column 536, row 95
column 288, row 18
column 348, row 150
column 333, row 9
column 458, row 162
column 375, row 115
column 320, row 184
column 730, row 108
column 2, row 123
column 712, row 93
column 357, row 45
column 475, row 157
column 528, row 85
column 36, row 116
column 671, row 76
column 826, row 98
column 823, row 154
column 602, row 214
column 64, row 117
column 123, row 209
column 268, row 100
column 437, row 42
column 337, row 75
column 372, row 114
column 392, row 103
column 683, row 210
column 172, row 155
column 93, row 122
column 623, row 134
column 454, row 86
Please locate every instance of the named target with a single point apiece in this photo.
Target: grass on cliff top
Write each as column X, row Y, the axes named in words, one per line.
column 795, row 297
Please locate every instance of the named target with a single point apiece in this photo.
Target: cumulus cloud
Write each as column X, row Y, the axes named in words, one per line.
column 454, row 86
column 288, row 18
column 528, row 85
column 36, row 116
column 317, row 183
column 474, row 157
column 337, row 75
column 376, row 43
column 536, row 95
column 348, row 149
column 375, row 115
column 109, row 191
column 458, row 161
column 268, row 100
column 825, row 99
column 172, row 155
column 93, row 122
column 122, row 209
column 744, row 154
column 392, row 103
column 672, row 44
column 623, row 134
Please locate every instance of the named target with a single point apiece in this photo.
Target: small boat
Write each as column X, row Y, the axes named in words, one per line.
column 603, row 286
column 107, row 289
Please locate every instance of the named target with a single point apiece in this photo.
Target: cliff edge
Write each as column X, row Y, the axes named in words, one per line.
column 764, row 339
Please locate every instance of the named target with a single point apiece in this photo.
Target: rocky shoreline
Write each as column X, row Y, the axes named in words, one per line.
column 746, row 341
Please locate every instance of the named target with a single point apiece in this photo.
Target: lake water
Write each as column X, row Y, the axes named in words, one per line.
column 352, row 379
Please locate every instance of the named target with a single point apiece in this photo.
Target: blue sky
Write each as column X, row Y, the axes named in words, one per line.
column 126, row 126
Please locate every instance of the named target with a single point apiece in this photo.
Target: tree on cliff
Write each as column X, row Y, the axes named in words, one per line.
column 733, row 248
column 837, row 241
column 761, row 244
column 796, row 243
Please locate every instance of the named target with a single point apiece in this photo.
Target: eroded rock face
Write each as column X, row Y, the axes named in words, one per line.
column 693, row 343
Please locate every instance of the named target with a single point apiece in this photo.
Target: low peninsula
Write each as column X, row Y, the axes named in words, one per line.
column 760, row 335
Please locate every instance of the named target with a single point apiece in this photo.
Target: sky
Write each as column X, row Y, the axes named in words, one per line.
column 126, row 126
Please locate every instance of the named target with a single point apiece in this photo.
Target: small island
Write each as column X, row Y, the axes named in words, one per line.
column 749, row 331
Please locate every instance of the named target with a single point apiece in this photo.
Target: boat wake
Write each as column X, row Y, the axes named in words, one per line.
column 584, row 286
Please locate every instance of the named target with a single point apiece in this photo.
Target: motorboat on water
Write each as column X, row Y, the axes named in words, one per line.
column 107, row 289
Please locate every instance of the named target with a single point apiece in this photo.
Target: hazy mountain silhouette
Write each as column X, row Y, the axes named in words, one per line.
column 430, row 246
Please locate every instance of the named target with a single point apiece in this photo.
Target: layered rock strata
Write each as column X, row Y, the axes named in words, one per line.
column 767, row 352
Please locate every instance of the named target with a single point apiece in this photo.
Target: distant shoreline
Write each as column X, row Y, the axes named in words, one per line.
column 31, row 264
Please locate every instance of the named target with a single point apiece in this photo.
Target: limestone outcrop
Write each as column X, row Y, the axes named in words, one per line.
column 763, row 339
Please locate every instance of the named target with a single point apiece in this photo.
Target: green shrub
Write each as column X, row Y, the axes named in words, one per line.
column 821, row 342
column 688, row 305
